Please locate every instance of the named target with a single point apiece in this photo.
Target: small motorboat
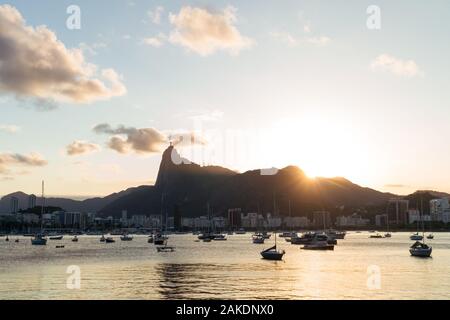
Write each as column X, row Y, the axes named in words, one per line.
column 75, row 239
column 102, row 239
column 206, row 235
column 56, row 237
column 7, row 239
column 165, row 249
column 39, row 240
column 288, row 234
column 376, row 236
column 17, row 240
column 420, row 249
column 160, row 240
column 303, row 239
column 430, row 236
column 387, row 235
column 272, row 253
column 416, row 236
column 110, row 240
column 334, row 234
column 126, row 237
column 320, row 242
column 258, row 239
column 220, row 237
column 59, row 247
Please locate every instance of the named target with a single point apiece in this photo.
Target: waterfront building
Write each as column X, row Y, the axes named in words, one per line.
column 234, row 218
column 32, row 201
column 14, row 205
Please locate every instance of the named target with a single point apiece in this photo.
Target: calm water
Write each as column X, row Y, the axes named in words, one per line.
column 226, row 269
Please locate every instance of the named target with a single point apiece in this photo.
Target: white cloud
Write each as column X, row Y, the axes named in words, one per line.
column 205, row 32
column 155, row 15
column 388, row 63
column 35, row 64
column 144, row 140
column 81, row 147
column 9, row 128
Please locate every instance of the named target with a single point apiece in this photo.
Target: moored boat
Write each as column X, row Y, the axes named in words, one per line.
column 320, row 242
column 420, row 249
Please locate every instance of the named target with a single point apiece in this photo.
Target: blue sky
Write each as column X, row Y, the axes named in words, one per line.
column 312, row 87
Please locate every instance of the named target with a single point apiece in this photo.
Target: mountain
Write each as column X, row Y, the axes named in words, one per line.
column 189, row 187
column 89, row 205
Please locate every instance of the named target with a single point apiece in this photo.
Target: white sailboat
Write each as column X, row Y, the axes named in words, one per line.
column 39, row 239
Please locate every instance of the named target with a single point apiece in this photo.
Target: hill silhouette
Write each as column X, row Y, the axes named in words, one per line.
column 189, row 187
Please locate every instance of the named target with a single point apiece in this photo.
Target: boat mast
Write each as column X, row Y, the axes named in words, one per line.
column 42, row 207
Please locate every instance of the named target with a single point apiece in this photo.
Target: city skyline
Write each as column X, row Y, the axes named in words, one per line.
column 295, row 84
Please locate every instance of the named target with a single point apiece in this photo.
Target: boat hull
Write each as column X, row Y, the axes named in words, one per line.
column 321, row 247
column 272, row 256
column 423, row 253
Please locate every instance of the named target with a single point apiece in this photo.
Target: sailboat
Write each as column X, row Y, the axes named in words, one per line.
column 39, row 239
column 272, row 253
column 387, row 234
column 420, row 249
column 416, row 236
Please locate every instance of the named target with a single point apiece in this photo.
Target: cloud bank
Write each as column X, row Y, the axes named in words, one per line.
column 205, row 32
column 35, row 64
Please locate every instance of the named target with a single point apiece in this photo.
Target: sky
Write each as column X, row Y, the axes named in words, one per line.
column 338, row 88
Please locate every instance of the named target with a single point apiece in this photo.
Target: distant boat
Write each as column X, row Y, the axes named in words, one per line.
column 39, row 239
column 289, row 234
column 126, row 237
column 207, row 240
column 320, row 242
column 102, row 239
column 17, row 240
column 60, row 247
column 387, row 235
column 165, row 249
column 334, row 234
column 56, row 238
column 430, row 236
column 272, row 253
column 75, row 239
column 416, row 237
column 160, row 239
column 7, row 239
column 304, row 238
column 258, row 239
column 375, row 236
column 110, row 240
column 150, row 239
column 220, row 237
column 420, row 249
